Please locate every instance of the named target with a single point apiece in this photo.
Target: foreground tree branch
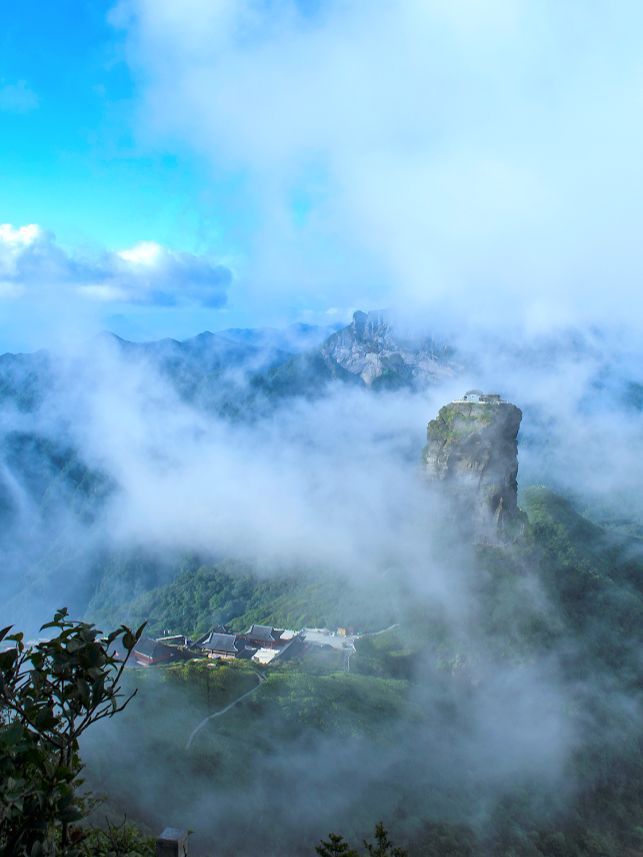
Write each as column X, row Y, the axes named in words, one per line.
column 50, row 694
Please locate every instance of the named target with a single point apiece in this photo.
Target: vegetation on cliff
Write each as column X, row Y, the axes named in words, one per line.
column 472, row 456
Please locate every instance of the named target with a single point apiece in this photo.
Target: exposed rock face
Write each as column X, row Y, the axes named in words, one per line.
column 472, row 449
column 372, row 350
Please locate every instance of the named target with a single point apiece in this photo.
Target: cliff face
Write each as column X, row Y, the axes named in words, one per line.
column 371, row 349
column 472, row 449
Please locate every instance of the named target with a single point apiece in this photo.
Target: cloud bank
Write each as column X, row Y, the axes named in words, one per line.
column 331, row 485
column 470, row 159
column 32, row 263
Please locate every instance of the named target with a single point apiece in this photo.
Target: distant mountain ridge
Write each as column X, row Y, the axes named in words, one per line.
column 372, row 348
column 370, row 352
column 239, row 372
column 229, row 370
column 49, row 492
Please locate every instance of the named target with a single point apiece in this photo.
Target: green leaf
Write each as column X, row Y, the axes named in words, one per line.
column 74, row 645
column 11, row 735
column 8, row 659
column 98, row 689
column 45, row 719
column 83, row 690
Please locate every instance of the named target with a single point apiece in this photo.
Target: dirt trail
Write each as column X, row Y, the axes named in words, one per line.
column 350, row 650
column 230, row 705
column 377, row 633
column 347, row 657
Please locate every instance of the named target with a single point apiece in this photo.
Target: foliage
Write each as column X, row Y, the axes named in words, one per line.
column 388, row 655
column 117, row 840
column 306, row 374
column 439, row 839
column 383, row 847
column 233, row 593
column 593, row 577
column 205, row 685
column 566, row 591
column 50, row 694
column 336, row 846
column 52, row 472
column 455, row 421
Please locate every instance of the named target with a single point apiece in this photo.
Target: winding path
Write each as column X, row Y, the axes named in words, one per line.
column 377, row 633
column 230, row 705
column 350, row 650
column 262, row 678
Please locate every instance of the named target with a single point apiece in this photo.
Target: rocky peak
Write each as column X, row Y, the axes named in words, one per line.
column 373, row 327
column 472, row 450
column 374, row 350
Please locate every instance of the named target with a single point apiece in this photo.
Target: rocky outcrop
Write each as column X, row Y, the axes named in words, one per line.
column 472, row 451
column 371, row 349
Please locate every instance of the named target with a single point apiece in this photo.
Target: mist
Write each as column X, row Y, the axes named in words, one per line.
column 476, row 162
column 327, row 487
column 473, row 170
column 331, row 482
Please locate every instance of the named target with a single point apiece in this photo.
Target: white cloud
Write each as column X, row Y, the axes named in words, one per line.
column 146, row 253
column 32, row 262
column 20, row 236
column 482, row 156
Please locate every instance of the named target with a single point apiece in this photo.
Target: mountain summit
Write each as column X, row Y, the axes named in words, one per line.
column 472, row 449
column 374, row 350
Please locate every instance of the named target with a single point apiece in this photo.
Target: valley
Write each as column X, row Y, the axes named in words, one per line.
column 481, row 646
column 321, row 428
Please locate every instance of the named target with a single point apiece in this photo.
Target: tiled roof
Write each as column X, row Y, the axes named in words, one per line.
column 150, row 648
column 227, row 643
column 264, row 633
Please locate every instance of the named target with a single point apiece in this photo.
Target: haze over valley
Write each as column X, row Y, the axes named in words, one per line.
column 321, row 371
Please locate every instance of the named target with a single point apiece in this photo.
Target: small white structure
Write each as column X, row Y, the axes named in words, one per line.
column 480, row 398
column 265, row 656
column 172, row 843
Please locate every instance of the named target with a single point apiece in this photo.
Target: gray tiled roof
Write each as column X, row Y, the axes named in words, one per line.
column 150, row 648
column 228, row 643
column 263, row 633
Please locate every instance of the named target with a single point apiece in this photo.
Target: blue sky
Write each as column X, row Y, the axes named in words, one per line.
column 70, row 160
column 224, row 162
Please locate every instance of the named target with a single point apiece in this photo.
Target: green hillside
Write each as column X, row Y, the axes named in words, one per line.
column 392, row 736
column 233, row 593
